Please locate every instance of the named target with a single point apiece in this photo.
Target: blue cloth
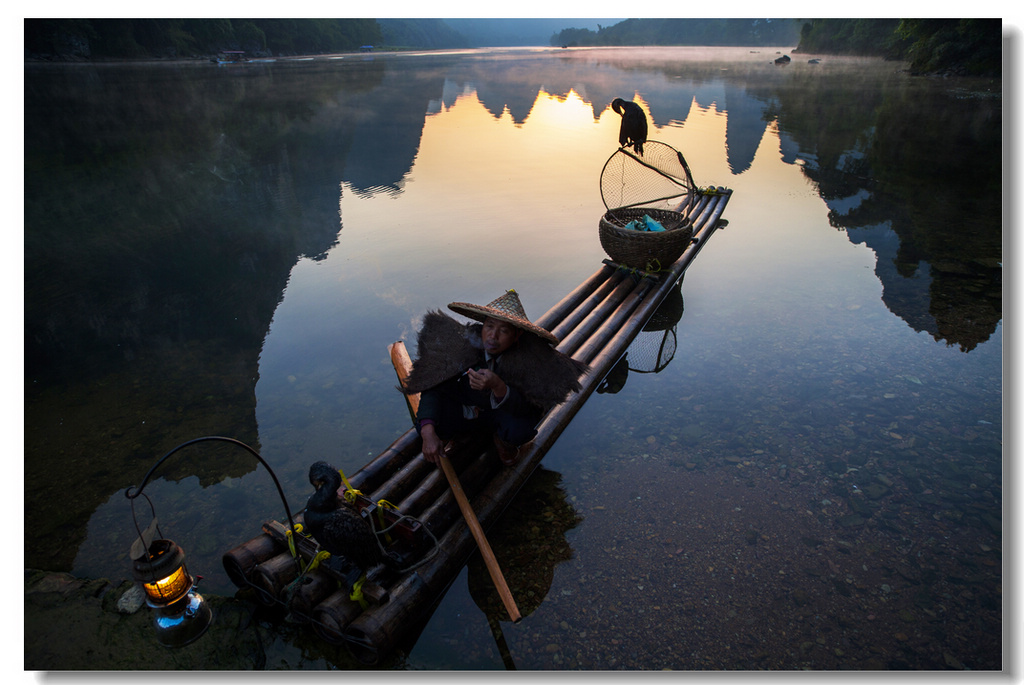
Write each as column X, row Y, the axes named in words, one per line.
column 645, row 224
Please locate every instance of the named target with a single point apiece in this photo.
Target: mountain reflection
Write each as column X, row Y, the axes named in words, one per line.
column 166, row 206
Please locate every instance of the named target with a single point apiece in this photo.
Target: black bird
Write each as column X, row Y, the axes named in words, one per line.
column 338, row 528
column 633, row 131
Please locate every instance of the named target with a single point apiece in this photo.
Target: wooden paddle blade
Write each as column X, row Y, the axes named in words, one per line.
column 403, row 367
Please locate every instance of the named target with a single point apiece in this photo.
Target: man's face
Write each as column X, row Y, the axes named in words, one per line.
column 498, row 336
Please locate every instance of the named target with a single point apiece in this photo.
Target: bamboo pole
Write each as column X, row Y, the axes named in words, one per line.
column 382, row 466
column 441, row 514
column 593, row 320
column 572, row 318
column 613, row 323
column 403, row 365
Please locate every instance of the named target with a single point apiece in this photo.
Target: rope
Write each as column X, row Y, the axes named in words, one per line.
column 405, row 517
column 346, row 638
column 381, row 505
column 350, row 492
column 357, row 592
column 635, row 273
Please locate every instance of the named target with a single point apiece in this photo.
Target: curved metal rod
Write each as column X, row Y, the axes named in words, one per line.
column 138, row 491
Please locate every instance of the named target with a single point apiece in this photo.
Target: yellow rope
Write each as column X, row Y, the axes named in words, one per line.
column 357, row 592
column 289, row 535
column 322, row 555
column 383, row 504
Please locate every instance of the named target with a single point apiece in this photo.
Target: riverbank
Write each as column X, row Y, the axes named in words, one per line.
column 75, row 624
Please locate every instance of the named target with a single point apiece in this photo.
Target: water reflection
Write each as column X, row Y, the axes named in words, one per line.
column 654, row 347
column 532, row 538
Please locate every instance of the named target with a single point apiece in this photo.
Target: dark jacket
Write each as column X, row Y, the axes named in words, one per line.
column 536, row 374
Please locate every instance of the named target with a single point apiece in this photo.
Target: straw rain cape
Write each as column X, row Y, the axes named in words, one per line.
column 446, row 348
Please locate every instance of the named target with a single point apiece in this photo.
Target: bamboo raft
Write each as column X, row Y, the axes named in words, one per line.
column 426, row 532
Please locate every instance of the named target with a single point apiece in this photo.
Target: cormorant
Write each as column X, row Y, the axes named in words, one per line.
column 633, row 131
column 338, row 528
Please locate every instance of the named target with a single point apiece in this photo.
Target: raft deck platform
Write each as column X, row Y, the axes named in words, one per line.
column 410, row 499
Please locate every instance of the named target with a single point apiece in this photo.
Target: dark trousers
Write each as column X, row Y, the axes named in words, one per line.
column 451, row 396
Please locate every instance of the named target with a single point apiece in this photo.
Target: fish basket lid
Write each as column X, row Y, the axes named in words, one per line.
column 657, row 179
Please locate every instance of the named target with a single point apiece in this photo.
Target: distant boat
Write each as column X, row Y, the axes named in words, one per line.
column 230, row 57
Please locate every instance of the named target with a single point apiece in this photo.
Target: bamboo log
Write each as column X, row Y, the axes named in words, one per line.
column 570, row 342
column 272, row 576
column 614, row 322
column 333, row 614
column 443, row 512
column 428, row 490
column 586, row 307
column 372, row 634
column 403, row 480
column 433, row 485
column 403, row 449
column 307, row 549
column 310, row 590
column 240, row 562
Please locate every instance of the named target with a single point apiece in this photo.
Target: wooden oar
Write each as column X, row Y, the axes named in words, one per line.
column 403, row 365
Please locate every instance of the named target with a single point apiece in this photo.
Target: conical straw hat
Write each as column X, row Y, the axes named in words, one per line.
column 505, row 308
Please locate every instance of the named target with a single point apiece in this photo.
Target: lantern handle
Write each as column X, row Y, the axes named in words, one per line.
column 133, row 492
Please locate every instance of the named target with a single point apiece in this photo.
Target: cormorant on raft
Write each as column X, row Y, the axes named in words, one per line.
column 633, row 130
column 337, row 527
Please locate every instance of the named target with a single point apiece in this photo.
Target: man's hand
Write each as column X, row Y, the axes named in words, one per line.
column 433, row 448
column 485, row 379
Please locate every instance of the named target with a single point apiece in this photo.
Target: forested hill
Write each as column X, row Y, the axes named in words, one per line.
column 966, row 47
column 752, row 32
column 952, row 46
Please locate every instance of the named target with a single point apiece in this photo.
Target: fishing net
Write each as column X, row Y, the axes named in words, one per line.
column 653, row 348
column 655, row 345
column 658, row 179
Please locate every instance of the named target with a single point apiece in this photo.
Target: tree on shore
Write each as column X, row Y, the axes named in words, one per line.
column 967, row 47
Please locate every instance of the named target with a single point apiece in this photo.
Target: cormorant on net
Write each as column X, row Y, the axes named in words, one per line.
column 633, row 131
column 337, row 527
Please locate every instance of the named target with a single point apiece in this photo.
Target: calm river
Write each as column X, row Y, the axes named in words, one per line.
column 803, row 469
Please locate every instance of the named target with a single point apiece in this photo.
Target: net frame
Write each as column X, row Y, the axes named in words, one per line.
column 658, row 179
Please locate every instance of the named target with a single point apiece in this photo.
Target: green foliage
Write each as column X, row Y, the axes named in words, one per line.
column 964, row 46
column 851, row 37
column 574, row 38
column 753, row 32
column 420, row 33
column 959, row 46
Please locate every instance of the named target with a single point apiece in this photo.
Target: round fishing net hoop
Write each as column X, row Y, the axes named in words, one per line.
column 655, row 345
column 658, row 179
column 652, row 351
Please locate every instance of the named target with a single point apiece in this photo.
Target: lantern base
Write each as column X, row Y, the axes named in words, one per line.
column 182, row 622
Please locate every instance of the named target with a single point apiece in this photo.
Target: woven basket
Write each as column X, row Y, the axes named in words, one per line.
column 647, row 250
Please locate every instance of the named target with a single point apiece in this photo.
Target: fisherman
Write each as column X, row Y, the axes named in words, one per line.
column 501, row 374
